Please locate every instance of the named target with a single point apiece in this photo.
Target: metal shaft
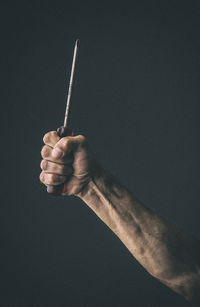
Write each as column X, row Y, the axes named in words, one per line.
column 71, row 83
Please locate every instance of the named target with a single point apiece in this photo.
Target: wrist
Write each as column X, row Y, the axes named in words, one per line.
column 96, row 172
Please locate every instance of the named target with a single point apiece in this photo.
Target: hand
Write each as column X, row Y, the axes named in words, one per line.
column 66, row 160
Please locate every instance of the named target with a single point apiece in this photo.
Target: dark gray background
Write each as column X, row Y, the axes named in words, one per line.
column 136, row 98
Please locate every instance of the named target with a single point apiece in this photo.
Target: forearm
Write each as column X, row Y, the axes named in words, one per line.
column 162, row 249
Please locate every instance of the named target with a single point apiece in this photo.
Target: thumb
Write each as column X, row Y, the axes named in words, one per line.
column 67, row 145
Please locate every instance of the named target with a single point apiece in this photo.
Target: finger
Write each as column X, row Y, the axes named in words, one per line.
column 68, row 144
column 46, row 154
column 51, row 138
column 55, row 168
column 51, row 179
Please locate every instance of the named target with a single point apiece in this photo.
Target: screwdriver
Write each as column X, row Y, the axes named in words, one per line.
column 64, row 130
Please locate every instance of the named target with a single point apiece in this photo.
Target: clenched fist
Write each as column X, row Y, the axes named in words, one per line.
column 66, row 160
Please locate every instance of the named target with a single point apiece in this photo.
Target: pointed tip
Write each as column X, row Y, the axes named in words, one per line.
column 77, row 42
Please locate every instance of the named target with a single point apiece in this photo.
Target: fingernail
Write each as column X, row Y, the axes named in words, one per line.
column 57, row 153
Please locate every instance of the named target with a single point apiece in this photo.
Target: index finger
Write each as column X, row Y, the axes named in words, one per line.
column 51, row 138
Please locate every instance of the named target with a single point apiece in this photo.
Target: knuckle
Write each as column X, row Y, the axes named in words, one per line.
column 41, row 177
column 65, row 142
column 82, row 138
column 48, row 136
column 44, row 151
column 82, row 141
column 44, row 164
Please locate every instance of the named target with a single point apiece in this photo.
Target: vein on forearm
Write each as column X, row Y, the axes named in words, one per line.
column 164, row 250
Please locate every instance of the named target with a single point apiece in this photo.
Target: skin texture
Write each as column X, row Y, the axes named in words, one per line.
column 165, row 251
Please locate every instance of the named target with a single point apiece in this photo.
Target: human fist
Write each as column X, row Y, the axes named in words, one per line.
column 67, row 161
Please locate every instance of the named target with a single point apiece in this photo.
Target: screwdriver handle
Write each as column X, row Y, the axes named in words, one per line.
column 57, row 189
